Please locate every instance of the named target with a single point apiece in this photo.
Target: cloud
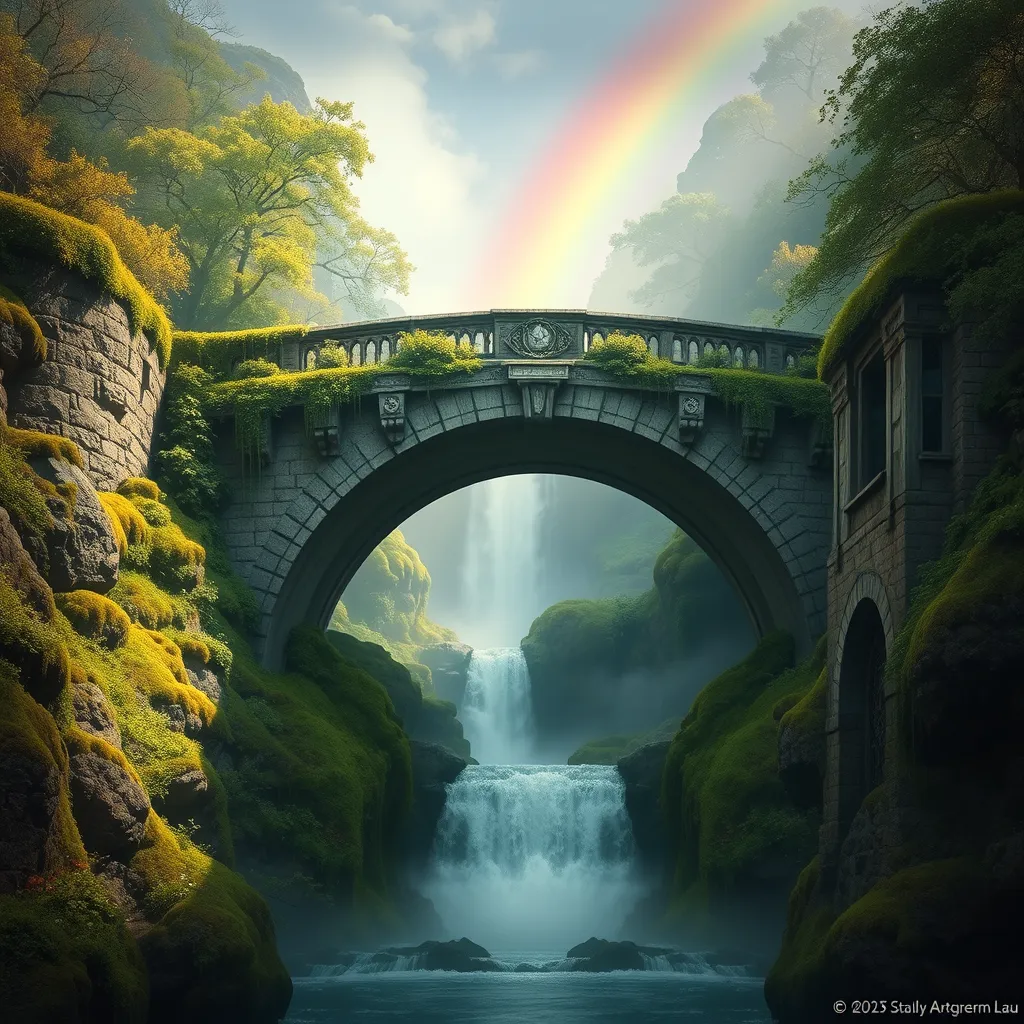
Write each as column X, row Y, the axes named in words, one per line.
column 516, row 65
column 389, row 29
column 458, row 39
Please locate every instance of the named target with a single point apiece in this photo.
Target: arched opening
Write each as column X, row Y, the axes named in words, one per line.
column 310, row 361
column 692, row 352
column 652, row 346
column 346, row 534
column 753, row 360
column 371, row 352
column 357, row 355
column 861, row 709
column 385, row 350
column 479, row 343
column 738, row 358
column 677, row 350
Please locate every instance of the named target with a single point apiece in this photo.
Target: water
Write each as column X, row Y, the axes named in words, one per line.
column 496, row 713
column 530, row 855
column 428, row 997
column 501, row 571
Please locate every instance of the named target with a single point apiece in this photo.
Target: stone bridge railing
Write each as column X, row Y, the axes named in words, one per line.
column 563, row 334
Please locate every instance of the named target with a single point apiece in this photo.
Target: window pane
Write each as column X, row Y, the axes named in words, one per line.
column 931, row 423
column 931, row 368
column 872, row 408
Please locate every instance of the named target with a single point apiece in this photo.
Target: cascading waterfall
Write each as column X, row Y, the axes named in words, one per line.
column 534, row 856
column 502, row 565
column 496, row 712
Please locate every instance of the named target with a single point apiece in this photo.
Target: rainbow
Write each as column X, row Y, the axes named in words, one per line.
column 595, row 149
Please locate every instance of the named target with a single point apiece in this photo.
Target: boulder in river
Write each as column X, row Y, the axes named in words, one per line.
column 457, row 955
column 600, row 955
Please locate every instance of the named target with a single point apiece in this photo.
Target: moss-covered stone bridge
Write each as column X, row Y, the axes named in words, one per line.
column 753, row 486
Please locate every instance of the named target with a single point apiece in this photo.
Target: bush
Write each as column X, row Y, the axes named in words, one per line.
column 619, row 353
column 331, row 357
column 431, row 352
column 248, row 369
column 139, row 487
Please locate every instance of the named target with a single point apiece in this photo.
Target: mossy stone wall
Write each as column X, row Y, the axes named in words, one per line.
column 100, row 384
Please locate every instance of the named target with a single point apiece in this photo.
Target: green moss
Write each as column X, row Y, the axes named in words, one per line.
column 129, row 525
column 930, row 252
column 606, row 750
column 34, row 646
column 433, row 353
column 219, row 352
column 152, row 511
column 36, row 444
column 95, row 617
column 15, row 314
column 248, row 369
column 67, row 955
column 174, row 560
column 757, row 392
column 139, row 487
column 24, row 494
column 726, row 809
column 30, row 227
column 143, row 600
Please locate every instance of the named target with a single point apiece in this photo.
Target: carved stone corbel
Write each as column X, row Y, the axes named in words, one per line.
column 391, row 406
column 758, row 427
column 325, row 430
column 691, row 415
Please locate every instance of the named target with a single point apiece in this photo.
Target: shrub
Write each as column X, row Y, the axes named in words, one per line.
column 619, row 353
column 431, row 352
column 331, row 357
column 153, row 512
column 139, row 487
column 249, row 369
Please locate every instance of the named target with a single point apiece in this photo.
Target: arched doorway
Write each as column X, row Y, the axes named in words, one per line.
column 861, row 709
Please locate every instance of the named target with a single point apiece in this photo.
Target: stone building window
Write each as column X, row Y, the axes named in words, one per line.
column 932, row 396
column 871, row 416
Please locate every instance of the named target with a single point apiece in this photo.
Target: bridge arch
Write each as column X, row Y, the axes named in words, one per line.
column 300, row 529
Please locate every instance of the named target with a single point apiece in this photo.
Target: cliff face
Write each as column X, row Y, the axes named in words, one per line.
column 282, row 82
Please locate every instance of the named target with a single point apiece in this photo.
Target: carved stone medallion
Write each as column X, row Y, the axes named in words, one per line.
column 539, row 339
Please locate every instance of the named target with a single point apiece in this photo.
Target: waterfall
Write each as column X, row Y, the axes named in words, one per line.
column 496, row 712
column 501, row 571
column 534, row 856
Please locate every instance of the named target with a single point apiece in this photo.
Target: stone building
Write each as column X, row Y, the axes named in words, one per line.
column 910, row 447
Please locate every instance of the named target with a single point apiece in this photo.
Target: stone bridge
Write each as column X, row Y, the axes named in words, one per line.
column 756, row 495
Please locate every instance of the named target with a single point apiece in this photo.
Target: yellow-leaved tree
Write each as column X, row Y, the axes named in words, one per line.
column 260, row 199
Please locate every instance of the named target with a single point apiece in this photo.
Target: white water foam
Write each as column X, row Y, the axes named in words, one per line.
column 534, row 855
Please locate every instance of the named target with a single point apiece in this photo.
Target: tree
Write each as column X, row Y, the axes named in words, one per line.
column 807, row 54
column 932, row 108
column 260, row 198
column 76, row 186
column 679, row 236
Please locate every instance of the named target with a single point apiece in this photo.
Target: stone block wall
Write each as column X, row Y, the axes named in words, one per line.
column 100, row 384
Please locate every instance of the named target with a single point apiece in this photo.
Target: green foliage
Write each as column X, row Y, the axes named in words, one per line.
column 67, row 954
column 248, row 369
column 965, row 245
column 627, row 356
column 143, row 600
column 274, row 186
column 331, row 357
column 218, row 352
column 26, row 226
column 933, row 108
column 139, row 487
column 33, row 645
column 95, row 617
column 433, row 354
column 186, row 461
column 24, row 494
column 610, row 749
column 727, row 812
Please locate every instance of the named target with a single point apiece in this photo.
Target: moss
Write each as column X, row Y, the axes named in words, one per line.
column 28, row 731
column 757, row 392
column 606, row 750
column 929, row 252
column 175, row 560
column 15, row 314
column 143, row 600
column 95, row 617
column 248, row 369
column 191, row 644
column 67, row 955
column 24, row 494
column 31, row 227
column 36, row 444
column 219, row 352
column 139, row 487
column 433, row 353
column 152, row 511
column 726, row 809
column 155, row 667
column 129, row 525
column 34, row 646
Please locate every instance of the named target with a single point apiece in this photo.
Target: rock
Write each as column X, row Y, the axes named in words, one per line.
column 641, row 772
column 458, row 955
column 29, row 798
column 449, row 666
column 180, row 719
column 92, row 710
column 110, row 806
column 433, row 767
column 186, row 795
column 438, row 723
column 83, row 554
column 862, row 855
column 203, row 678
column 599, row 955
column 21, row 571
column 802, row 758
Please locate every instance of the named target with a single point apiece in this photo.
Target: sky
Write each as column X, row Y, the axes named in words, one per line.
column 462, row 101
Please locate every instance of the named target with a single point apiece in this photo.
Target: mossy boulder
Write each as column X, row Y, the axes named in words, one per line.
column 33, row 644
column 394, row 677
column 21, row 571
column 802, row 744
column 83, row 551
column 95, row 617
